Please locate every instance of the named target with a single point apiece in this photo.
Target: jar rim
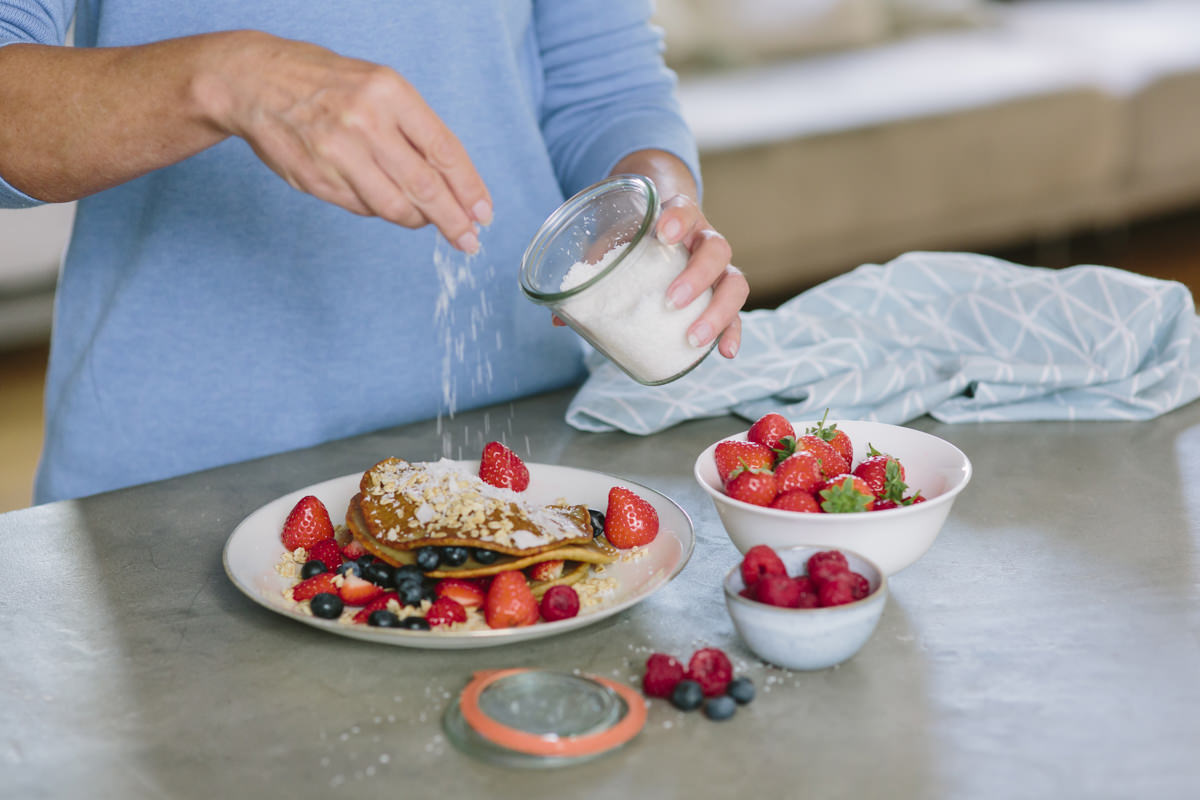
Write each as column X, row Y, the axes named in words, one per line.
column 566, row 212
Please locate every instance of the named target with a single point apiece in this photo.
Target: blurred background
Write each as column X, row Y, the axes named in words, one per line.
column 840, row 132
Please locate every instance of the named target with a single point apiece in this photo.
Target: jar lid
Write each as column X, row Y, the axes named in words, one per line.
column 541, row 718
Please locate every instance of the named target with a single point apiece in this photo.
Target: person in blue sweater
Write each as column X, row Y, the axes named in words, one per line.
column 300, row 221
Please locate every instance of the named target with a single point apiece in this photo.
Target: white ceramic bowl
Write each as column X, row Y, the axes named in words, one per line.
column 807, row 638
column 893, row 538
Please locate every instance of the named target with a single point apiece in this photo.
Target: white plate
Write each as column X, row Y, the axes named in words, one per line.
column 254, row 549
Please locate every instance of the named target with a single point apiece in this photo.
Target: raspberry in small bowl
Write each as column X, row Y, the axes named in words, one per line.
column 805, row 608
column 877, row 489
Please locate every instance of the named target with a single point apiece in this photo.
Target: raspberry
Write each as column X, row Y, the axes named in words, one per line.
column 835, row 592
column 760, row 561
column 710, row 668
column 559, row 602
column 825, row 565
column 777, row 590
column 808, row 592
column 662, row 673
column 327, row 552
column 860, row 587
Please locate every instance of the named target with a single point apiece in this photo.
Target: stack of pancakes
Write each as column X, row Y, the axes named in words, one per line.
column 402, row 507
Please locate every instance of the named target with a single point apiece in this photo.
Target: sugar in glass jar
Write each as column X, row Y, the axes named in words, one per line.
column 597, row 264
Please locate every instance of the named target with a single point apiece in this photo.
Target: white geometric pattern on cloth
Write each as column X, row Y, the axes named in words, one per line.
column 959, row 336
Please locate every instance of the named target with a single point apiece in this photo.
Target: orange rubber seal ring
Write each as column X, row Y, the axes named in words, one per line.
column 536, row 745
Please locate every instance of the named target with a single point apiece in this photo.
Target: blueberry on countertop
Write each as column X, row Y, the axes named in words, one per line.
column 382, row 618
column 597, row 521
column 313, row 567
column 485, row 557
column 720, row 707
column 428, row 558
column 741, row 690
column 326, row 605
column 455, row 556
column 687, row 695
column 415, row 623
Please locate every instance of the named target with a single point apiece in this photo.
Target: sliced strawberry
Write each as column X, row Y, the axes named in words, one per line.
column 630, row 521
column 356, row 591
column 503, row 468
column 378, row 604
column 445, row 611
column 327, row 552
column 310, row 587
column 306, row 524
column 510, row 603
column 757, row 487
column 731, row 454
column 467, row 594
column 546, row 570
column 771, row 430
column 353, row 550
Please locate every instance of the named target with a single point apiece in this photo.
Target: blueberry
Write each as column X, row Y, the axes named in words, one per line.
column 455, row 556
column 379, row 573
column 313, row 567
column 741, row 690
column 364, row 560
column 428, row 558
column 415, row 623
column 597, row 521
column 349, row 568
column 429, row 590
column 408, row 572
column 326, row 605
column 687, row 695
column 485, row 557
column 719, row 708
column 410, row 592
column 382, row 618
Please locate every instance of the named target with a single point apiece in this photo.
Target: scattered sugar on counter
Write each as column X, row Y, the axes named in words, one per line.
column 627, row 312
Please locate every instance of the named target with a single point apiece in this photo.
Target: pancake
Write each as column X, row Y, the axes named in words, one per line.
column 402, row 507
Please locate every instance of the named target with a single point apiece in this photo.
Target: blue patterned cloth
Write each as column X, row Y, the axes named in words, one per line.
column 961, row 337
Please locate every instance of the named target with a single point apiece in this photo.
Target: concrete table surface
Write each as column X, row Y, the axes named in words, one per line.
column 1048, row 645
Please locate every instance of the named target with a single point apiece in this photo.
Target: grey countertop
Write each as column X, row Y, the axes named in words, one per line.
column 1048, row 645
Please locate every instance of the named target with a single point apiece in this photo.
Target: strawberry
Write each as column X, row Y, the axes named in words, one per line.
column 559, row 602
column 710, row 668
column 317, row 584
column 509, row 602
column 759, row 562
column 830, row 433
column 629, row 521
column 732, row 453
column 327, row 552
column 832, row 462
column 662, row 673
column 353, row 550
column 757, row 487
column 306, row 524
column 770, row 431
column 799, row 471
column 884, row 474
column 503, row 468
column 546, row 570
column 845, row 494
column 445, row 611
column 356, row 591
column 378, row 604
column 467, row 594
column 797, row 500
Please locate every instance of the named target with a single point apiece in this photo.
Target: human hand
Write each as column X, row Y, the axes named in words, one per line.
column 350, row 132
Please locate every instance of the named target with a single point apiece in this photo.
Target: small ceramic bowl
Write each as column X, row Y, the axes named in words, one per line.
column 807, row 638
column 894, row 538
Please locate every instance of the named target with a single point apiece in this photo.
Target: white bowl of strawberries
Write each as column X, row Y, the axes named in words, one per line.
column 880, row 490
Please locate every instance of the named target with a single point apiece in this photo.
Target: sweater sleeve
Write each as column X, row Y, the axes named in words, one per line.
column 606, row 92
column 31, row 22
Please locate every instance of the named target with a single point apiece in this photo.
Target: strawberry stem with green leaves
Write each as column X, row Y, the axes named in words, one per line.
column 843, row 498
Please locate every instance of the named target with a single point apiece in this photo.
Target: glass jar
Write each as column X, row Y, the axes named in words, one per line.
column 598, row 265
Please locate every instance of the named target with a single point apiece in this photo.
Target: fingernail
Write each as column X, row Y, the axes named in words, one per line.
column 468, row 243
column 679, row 296
column 672, row 231
column 700, row 335
column 732, row 348
column 483, row 212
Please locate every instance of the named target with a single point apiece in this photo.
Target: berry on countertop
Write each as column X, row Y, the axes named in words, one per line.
column 733, row 453
column 306, row 524
column 759, row 562
column 311, row 587
column 687, row 695
column 711, row 668
column 559, row 602
column 326, row 605
column 503, row 468
column 509, row 602
column 771, row 430
column 445, row 611
column 741, row 690
column 629, row 521
column 720, row 708
column 663, row 672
